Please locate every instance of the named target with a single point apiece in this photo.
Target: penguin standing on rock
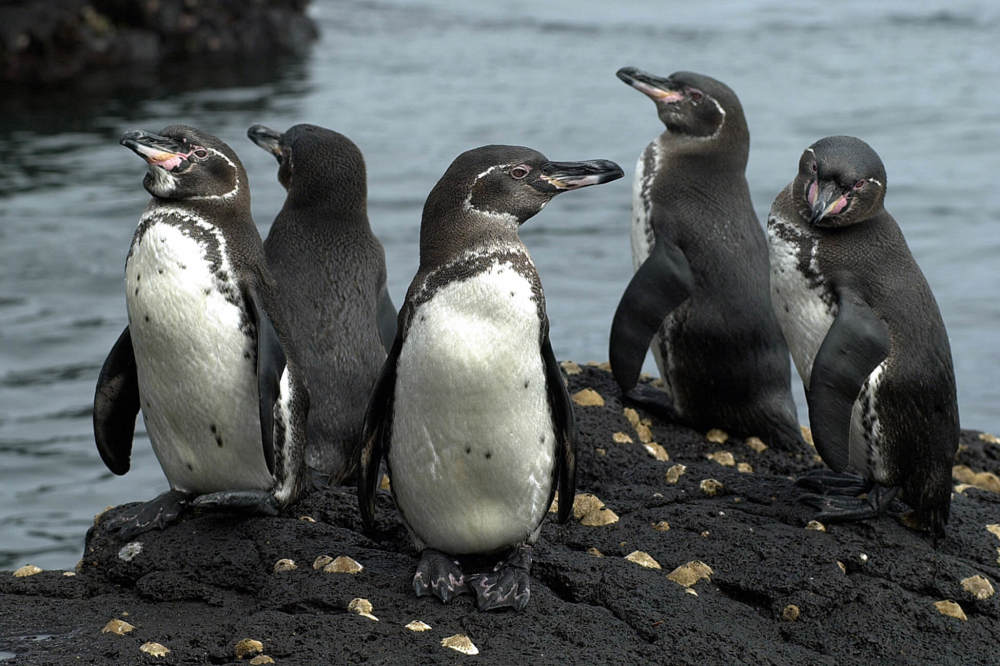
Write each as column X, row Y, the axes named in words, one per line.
column 330, row 271
column 700, row 296
column 866, row 336
column 470, row 410
column 221, row 396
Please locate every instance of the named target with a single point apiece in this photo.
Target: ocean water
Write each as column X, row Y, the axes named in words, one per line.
column 414, row 83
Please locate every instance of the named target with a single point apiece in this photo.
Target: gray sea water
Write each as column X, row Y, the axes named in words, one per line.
column 414, row 83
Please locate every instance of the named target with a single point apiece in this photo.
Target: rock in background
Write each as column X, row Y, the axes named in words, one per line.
column 686, row 547
column 49, row 41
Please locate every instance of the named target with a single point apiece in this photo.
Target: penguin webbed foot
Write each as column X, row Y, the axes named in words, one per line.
column 438, row 575
column 835, row 496
column 244, row 501
column 157, row 513
column 655, row 401
column 507, row 586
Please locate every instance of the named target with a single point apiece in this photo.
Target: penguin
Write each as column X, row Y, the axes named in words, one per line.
column 203, row 355
column 700, row 294
column 330, row 271
column 866, row 336
column 470, row 411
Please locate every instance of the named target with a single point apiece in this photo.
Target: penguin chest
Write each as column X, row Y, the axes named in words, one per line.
column 473, row 444
column 642, row 204
column 196, row 359
column 804, row 305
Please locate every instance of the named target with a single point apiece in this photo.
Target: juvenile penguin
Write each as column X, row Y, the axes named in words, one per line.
column 700, row 295
column 330, row 271
column 470, row 410
column 865, row 333
column 222, row 399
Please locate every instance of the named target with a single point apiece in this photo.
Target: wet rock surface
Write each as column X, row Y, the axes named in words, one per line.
column 860, row 592
column 48, row 41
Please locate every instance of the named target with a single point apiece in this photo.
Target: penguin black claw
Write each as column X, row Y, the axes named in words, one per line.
column 249, row 501
column 508, row 586
column 438, row 575
column 155, row 514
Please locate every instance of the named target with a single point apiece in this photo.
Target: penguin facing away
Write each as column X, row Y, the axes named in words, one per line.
column 866, row 336
column 700, row 295
column 470, row 411
column 330, row 272
column 221, row 396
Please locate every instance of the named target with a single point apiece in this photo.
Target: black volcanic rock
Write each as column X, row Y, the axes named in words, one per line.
column 47, row 41
column 861, row 593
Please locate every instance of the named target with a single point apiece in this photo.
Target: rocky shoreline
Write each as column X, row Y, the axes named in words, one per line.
column 44, row 42
column 686, row 548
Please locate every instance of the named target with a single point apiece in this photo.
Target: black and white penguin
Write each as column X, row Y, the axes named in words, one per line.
column 330, row 271
column 221, row 396
column 470, row 410
column 865, row 333
column 700, row 295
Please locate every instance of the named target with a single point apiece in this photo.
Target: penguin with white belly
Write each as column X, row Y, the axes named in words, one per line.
column 222, row 399
column 867, row 338
column 470, row 411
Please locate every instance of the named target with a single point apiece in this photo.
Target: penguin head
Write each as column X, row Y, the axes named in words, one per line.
column 185, row 163
column 841, row 181
column 510, row 184
column 315, row 165
column 691, row 104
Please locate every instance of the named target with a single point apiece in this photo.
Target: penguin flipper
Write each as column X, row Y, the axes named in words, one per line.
column 565, row 430
column 386, row 319
column 857, row 342
column 375, row 434
column 661, row 283
column 271, row 363
column 116, row 404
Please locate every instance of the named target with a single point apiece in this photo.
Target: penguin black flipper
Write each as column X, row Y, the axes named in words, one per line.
column 857, row 342
column 565, row 431
column 270, row 366
column 662, row 282
column 386, row 319
column 375, row 434
column 116, row 404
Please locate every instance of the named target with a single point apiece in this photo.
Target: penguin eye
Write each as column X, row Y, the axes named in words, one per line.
column 695, row 94
column 812, row 167
column 519, row 172
column 858, row 185
column 199, row 153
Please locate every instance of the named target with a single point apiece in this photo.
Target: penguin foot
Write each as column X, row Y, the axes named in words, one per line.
column 827, row 482
column 157, row 513
column 837, row 505
column 655, row 401
column 509, row 584
column 439, row 575
column 248, row 501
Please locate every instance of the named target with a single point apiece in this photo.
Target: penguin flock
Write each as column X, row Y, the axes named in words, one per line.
column 266, row 367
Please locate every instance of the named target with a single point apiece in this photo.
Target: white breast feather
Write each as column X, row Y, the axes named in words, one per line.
column 803, row 315
column 472, row 439
column 191, row 366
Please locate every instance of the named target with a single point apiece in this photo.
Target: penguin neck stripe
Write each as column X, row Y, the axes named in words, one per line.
column 236, row 177
column 505, row 218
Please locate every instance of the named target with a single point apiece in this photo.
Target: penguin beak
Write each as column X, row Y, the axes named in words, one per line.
column 824, row 201
column 656, row 88
column 561, row 176
column 266, row 138
column 155, row 149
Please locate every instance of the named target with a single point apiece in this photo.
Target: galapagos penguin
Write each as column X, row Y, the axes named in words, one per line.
column 330, row 272
column 203, row 354
column 700, row 296
column 470, row 410
column 866, row 336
